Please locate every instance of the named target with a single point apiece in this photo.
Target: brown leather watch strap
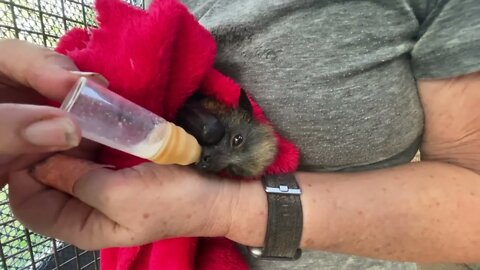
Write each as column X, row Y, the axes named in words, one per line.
column 285, row 219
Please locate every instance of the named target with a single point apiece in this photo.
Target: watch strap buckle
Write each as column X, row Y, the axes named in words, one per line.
column 258, row 253
column 285, row 219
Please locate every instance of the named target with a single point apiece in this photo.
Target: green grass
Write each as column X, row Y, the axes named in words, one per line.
column 28, row 19
column 14, row 239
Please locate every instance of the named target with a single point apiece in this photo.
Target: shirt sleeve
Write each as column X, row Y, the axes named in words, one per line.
column 448, row 43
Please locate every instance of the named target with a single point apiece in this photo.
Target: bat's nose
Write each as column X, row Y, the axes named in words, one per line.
column 210, row 160
column 204, row 162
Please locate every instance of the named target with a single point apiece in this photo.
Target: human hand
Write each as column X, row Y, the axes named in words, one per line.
column 93, row 207
column 28, row 75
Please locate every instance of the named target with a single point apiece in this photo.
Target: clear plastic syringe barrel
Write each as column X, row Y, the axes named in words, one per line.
column 114, row 121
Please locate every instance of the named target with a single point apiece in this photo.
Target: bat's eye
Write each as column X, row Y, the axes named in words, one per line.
column 237, row 140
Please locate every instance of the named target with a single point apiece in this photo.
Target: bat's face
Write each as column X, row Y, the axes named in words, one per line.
column 245, row 150
column 232, row 141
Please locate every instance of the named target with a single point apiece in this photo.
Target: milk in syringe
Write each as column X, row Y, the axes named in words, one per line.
column 114, row 121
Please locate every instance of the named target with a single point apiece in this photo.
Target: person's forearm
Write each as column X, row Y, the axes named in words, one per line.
column 423, row 212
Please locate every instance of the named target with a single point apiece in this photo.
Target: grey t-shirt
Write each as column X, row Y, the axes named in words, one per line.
column 338, row 78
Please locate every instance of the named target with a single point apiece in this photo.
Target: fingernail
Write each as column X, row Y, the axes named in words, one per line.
column 55, row 133
column 94, row 76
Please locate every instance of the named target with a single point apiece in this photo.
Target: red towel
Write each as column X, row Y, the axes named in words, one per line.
column 158, row 58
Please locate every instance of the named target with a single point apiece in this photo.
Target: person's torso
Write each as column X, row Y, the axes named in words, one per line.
column 332, row 76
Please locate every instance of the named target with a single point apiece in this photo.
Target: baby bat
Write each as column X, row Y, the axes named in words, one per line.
column 232, row 141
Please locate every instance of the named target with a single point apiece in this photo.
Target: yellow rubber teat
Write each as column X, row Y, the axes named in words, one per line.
column 179, row 148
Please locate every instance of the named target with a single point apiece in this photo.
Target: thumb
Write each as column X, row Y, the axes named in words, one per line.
column 33, row 129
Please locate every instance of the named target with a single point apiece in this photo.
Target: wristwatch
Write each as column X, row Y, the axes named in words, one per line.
column 285, row 219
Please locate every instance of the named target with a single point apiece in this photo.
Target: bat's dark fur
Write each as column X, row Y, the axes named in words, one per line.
column 232, row 141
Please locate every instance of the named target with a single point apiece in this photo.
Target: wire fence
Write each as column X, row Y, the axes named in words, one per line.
column 42, row 22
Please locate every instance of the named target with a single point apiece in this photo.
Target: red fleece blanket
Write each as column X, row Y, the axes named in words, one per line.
column 158, row 58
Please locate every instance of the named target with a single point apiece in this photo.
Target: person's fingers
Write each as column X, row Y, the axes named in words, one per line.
column 19, row 163
column 11, row 163
column 39, row 68
column 33, row 129
column 133, row 196
column 56, row 214
column 90, row 182
column 63, row 172
column 13, row 92
column 86, row 150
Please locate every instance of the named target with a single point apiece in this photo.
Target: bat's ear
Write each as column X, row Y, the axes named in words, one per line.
column 244, row 102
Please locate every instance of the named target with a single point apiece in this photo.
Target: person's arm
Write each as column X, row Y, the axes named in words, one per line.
column 426, row 211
